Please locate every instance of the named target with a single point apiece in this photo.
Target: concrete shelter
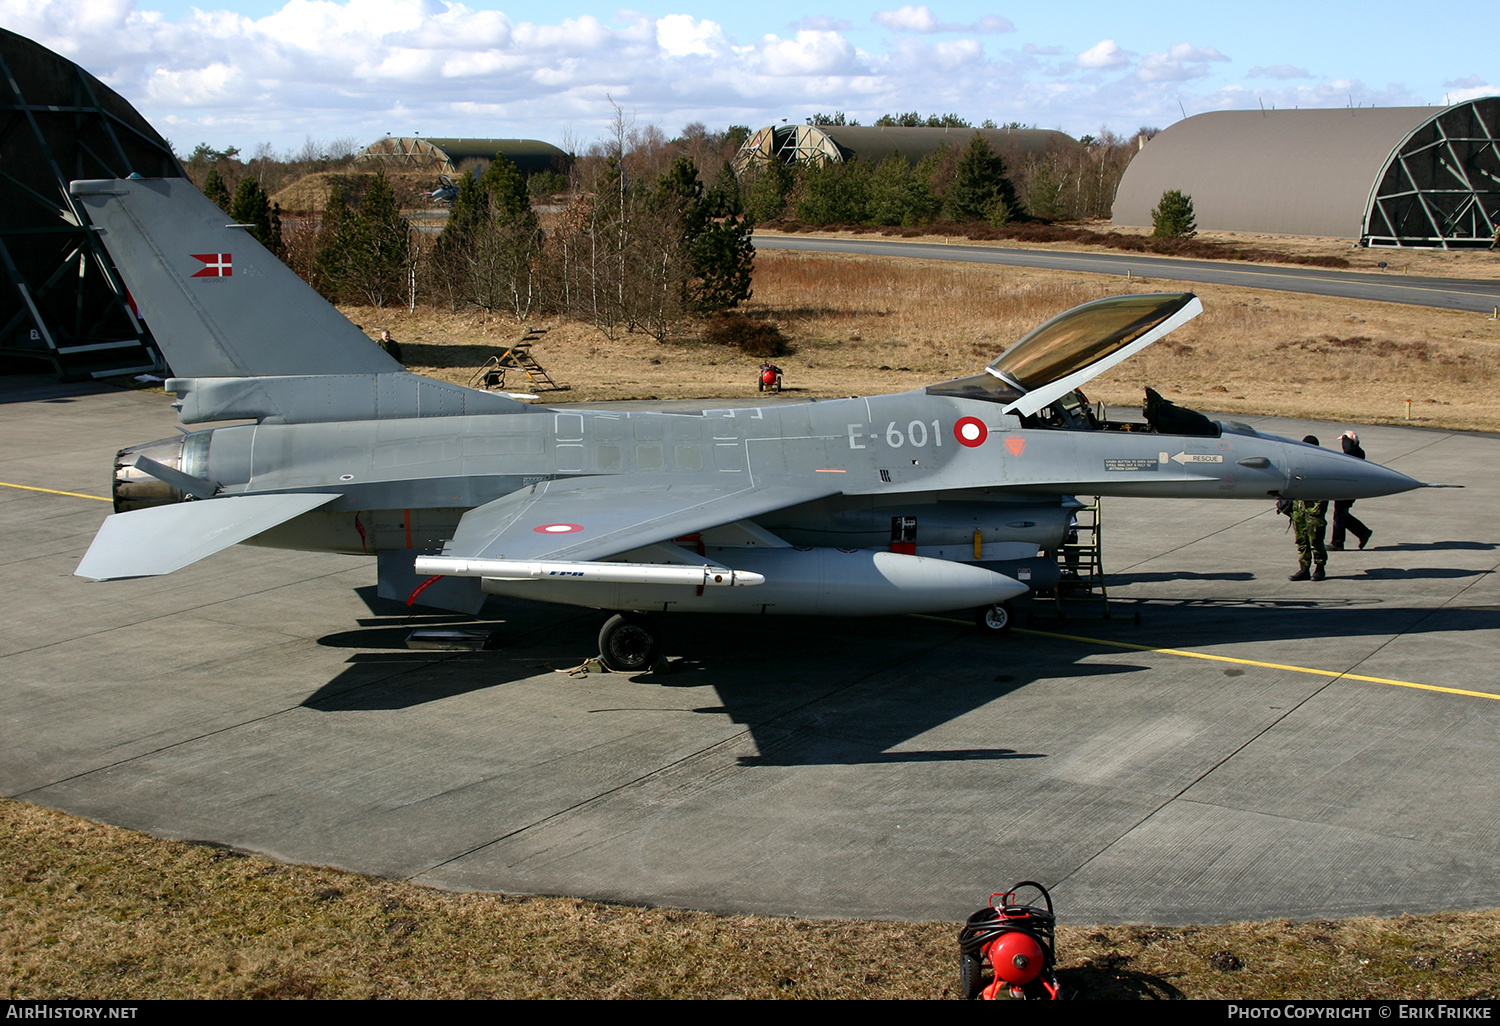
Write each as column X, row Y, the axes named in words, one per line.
column 1386, row 176
column 445, row 156
column 812, row 144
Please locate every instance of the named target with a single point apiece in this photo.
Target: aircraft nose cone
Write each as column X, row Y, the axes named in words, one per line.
column 1319, row 474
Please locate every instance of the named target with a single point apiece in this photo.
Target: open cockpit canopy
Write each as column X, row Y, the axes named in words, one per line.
column 1072, row 348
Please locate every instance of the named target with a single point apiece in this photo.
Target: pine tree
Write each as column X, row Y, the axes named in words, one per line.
column 378, row 253
column 981, row 191
column 215, row 189
column 715, row 239
column 1173, row 216
column 769, row 191
column 334, row 236
column 252, row 207
column 834, row 193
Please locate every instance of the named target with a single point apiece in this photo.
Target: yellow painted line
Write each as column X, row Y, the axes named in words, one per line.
column 53, row 491
column 1243, row 662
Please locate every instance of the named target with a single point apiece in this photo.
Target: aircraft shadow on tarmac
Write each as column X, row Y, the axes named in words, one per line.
column 805, row 700
column 1434, row 546
column 1195, row 622
column 1122, row 580
column 837, row 692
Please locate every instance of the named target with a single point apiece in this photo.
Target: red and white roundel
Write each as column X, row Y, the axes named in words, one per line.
column 558, row 528
column 970, row 431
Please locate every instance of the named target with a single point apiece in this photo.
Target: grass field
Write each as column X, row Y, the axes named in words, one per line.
column 92, row 911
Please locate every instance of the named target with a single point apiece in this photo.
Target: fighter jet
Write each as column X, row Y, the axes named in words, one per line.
column 931, row 500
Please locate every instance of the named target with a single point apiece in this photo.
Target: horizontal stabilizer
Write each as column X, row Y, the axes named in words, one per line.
column 158, row 540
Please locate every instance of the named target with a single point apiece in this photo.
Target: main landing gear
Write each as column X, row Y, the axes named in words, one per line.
column 995, row 620
column 629, row 643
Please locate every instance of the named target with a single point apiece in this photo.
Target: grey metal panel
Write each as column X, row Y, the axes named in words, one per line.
column 1295, row 172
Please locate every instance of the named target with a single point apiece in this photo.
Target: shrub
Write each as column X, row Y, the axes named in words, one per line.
column 1173, row 216
column 760, row 339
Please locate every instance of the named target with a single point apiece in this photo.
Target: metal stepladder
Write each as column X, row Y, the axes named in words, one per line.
column 1080, row 590
column 517, row 358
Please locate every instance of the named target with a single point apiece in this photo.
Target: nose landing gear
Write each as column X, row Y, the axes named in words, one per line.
column 995, row 620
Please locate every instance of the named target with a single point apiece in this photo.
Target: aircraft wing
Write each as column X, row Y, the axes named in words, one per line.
column 158, row 540
column 588, row 518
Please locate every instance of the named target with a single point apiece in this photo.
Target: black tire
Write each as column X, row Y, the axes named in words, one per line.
column 629, row 643
column 970, row 975
column 995, row 620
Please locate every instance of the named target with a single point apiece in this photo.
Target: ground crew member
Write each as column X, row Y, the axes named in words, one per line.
column 1309, row 522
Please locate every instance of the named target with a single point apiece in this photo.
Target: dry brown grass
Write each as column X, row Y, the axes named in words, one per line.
column 865, row 325
column 97, row 912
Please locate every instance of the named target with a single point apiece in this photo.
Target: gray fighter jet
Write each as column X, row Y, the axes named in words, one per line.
column 931, row 500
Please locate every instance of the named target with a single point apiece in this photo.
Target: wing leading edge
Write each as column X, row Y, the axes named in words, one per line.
column 590, row 518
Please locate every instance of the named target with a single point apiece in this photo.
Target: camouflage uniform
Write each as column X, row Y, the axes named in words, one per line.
column 1309, row 522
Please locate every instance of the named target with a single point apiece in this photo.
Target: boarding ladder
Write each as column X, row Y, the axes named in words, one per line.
column 1080, row 590
column 517, row 359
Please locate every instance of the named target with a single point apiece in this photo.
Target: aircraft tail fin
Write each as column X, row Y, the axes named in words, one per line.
column 219, row 303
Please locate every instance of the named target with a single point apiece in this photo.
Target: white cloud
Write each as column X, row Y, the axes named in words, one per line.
column 822, row 23
column 908, row 19
column 1042, row 51
column 1104, row 54
column 810, row 53
column 1187, row 52
column 919, row 18
column 679, row 35
column 1180, row 62
column 1279, row 71
column 1472, row 92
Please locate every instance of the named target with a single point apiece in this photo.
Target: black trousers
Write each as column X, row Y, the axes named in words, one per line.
column 1343, row 520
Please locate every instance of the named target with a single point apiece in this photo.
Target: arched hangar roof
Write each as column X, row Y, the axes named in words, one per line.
column 1413, row 176
column 445, row 155
column 62, row 300
column 807, row 144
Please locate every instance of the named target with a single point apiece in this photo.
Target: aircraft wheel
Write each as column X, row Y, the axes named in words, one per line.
column 996, row 619
column 629, row 643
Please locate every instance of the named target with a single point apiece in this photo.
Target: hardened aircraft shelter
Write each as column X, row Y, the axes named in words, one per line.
column 816, row 144
column 448, row 156
column 62, row 301
column 1385, row 176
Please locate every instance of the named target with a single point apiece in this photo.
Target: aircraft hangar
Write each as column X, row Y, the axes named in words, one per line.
column 64, row 303
column 447, row 156
column 814, row 144
column 1385, row 176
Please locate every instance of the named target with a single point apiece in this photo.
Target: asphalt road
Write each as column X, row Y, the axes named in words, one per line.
column 1447, row 293
column 1254, row 748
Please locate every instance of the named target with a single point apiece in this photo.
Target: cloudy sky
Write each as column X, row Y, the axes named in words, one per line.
column 244, row 72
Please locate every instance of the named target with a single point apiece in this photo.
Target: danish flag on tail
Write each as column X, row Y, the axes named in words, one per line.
column 217, row 265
